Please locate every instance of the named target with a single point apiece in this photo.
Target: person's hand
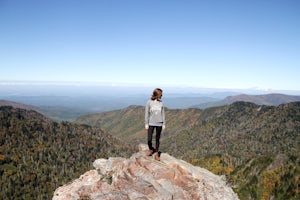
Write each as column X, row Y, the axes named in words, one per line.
column 164, row 127
column 146, row 126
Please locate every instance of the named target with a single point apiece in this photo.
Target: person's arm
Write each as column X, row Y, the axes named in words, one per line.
column 163, row 117
column 147, row 108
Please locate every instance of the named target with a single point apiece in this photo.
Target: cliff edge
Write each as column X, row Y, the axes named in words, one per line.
column 142, row 177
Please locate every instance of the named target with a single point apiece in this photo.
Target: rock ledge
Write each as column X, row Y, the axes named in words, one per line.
column 142, row 177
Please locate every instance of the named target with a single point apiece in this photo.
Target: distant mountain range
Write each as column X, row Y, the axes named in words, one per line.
column 68, row 108
column 264, row 99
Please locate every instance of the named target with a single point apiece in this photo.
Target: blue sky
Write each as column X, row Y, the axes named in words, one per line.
column 212, row 43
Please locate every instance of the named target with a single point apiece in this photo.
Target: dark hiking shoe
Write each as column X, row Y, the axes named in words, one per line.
column 156, row 156
column 149, row 153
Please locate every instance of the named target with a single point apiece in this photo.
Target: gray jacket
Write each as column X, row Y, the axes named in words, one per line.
column 154, row 112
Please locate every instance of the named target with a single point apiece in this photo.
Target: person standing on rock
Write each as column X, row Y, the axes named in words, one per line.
column 154, row 119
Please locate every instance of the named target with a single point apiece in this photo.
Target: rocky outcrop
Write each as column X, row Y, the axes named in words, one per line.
column 142, row 177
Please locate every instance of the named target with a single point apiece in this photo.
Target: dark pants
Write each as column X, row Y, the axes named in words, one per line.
column 157, row 137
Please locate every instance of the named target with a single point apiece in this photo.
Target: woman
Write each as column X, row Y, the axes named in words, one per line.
column 154, row 119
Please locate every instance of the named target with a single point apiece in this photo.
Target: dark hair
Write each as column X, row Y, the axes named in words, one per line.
column 157, row 94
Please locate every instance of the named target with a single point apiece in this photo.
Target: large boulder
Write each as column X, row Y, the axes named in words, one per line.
column 142, row 177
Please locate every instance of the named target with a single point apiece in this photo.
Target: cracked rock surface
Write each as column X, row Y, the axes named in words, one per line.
column 142, row 177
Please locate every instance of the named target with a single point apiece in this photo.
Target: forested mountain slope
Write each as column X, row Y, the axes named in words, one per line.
column 257, row 147
column 128, row 123
column 37, row 155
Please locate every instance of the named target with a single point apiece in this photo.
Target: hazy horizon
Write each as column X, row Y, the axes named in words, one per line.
column 91, row 88
column 67, row 101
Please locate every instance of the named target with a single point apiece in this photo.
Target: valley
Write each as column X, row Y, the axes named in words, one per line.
column 255, row 146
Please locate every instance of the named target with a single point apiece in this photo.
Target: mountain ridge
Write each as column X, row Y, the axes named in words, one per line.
column 18, row 105
column 272, row 99
column 68, row 108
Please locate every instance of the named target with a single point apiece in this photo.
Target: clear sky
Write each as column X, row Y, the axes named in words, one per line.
column 201, row 43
